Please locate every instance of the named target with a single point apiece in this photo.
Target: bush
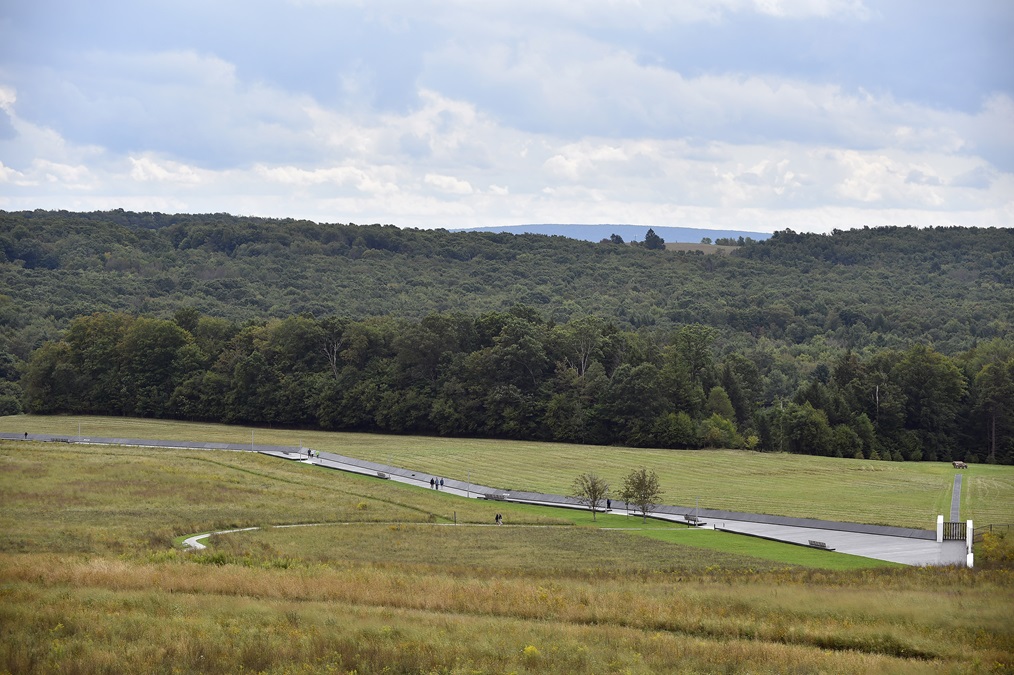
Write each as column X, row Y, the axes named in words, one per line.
column 996, row 550
column 10, row 405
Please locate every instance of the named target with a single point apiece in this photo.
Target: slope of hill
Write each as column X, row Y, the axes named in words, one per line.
column 950, row 286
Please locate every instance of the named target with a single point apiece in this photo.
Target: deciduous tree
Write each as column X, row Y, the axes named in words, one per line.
column 641, row 488
column 591, row 490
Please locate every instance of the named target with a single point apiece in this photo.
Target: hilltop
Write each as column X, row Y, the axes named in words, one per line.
column 596, row 233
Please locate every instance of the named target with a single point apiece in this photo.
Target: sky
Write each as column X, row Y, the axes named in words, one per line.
column 755, row 115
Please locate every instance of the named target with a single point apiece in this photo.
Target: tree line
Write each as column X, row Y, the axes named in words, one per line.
column 516, row 374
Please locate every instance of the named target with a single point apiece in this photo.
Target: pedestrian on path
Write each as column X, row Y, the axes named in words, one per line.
column 433, row 483
column 609, row 504
column 26, row 435
column 441, row 483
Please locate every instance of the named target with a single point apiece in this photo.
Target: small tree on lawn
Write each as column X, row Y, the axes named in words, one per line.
column 591, row 490
column 641, row 489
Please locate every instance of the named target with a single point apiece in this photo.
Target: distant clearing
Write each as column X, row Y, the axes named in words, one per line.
column 707, row 249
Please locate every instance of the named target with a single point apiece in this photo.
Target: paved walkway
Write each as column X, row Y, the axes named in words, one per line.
column 956, row 499
column 896, row 544
column 900, row 545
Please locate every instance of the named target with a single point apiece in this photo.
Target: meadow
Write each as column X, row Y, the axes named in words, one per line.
column 907, row 494
column 91, row 578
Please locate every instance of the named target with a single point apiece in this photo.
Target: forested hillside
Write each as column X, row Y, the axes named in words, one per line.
column 892, row 342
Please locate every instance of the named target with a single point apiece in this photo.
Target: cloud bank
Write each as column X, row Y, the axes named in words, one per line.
column 745, row 114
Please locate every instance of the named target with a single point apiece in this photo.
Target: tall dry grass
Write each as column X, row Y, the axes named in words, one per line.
column 900, row 617
column 89, row 585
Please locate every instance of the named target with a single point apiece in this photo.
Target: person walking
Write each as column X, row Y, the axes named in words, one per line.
column 433, row 483
column 441, row 483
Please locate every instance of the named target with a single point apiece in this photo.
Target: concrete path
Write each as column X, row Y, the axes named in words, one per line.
column 194, row 542
column 905, row 546
column 901, row 545
column 956, row 499
column 894, row 549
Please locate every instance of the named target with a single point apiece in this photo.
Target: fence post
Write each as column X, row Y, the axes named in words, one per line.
column 940, row 529
column 969, row 537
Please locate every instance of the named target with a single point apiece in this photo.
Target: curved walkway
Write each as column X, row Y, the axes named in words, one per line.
column 896, row 544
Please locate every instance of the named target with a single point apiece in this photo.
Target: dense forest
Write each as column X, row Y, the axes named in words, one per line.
column 891, row 342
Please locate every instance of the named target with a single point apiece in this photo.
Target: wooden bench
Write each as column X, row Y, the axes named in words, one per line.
column 820, row 544
column 959, row 465
column 381, row 474
column 693, row 520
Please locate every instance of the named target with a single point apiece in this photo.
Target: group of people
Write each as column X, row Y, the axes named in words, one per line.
column 499, row 519
column 436, row 483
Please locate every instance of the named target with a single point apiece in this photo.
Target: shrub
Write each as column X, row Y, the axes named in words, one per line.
column 995, row 550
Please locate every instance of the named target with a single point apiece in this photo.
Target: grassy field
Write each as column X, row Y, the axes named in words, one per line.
column 909, row 494
column 89, row 582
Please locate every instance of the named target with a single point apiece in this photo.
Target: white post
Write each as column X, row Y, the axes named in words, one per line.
column 468, row 492
column 940, row 529
column 969, row 535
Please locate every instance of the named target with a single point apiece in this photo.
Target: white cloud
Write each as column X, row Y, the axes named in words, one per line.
column 8, row 96
column 149, row 169
column 449, row 184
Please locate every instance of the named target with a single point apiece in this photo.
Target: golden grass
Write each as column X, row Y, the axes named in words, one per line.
column 88, row 498
column 836, row 622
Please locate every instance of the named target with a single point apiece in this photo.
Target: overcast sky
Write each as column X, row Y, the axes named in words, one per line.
column 744, row 114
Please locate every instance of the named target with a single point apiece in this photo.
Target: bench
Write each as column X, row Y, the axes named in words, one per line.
column 494, row 496
column 959, row 465
column 381, row 474
column 693, row 520
column 820, row 544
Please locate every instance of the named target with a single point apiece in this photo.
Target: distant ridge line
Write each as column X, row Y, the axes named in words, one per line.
column 690, row 235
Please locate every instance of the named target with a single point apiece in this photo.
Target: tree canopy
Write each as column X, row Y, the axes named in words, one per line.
column 891, row 343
